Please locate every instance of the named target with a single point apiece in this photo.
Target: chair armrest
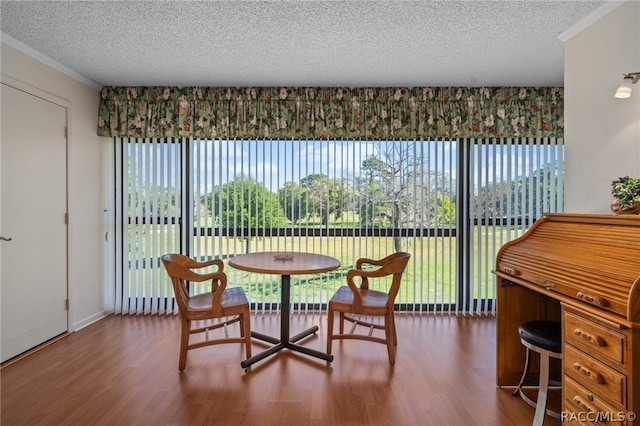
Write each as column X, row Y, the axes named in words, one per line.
column 379, row 262
column 194, row 264
column 218, row 285
column 216, row 262
column 364, row 284
column 365, row 261
column 357, row 297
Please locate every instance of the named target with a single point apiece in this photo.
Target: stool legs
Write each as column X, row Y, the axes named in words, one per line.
column 543, row 386
column 542, row 390
column 524, row 374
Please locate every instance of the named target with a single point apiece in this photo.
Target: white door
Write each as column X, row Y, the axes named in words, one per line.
column 33, row 205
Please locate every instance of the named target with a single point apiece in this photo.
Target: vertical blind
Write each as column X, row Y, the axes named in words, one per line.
column 148, row 215
column 451, row 203
column 511, row 182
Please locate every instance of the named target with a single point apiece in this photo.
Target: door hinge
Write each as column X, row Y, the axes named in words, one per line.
column 66, row 218
column 66, row 132
column 66, row 304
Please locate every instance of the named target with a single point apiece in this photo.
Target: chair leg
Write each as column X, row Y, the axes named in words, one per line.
column 184, row 344
column 341, row 325
column 390, row 337
column 395, row 335
column 245, row 323
column 329, row 329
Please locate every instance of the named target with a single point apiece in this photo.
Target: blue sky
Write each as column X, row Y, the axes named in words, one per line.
column 275, row 162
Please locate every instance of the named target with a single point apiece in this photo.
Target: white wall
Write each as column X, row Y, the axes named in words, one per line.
column 87, row 175
column 602, row 133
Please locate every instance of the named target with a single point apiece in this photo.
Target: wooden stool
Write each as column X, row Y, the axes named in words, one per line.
column 545, row 338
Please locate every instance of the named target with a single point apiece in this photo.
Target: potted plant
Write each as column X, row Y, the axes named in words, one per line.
column 626, row 191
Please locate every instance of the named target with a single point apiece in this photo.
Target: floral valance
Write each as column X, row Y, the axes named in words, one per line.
column 325, row 113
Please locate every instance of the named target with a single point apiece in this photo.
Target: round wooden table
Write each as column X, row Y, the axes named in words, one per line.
column 284, row 264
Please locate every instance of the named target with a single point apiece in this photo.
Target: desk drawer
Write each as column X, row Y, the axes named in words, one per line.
column 595, row 339
column 595, row 376
column 581, row 406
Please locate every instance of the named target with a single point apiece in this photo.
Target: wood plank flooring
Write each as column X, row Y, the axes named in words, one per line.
column 123, row 370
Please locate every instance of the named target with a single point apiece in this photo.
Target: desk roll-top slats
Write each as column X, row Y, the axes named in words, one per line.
column 583, row 270
column 595, row 259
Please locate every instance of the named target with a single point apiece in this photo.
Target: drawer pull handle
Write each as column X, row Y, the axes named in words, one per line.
column 596, row 377
column 594, row 340
column 580, row 403
column 511, row 271
column 594, row 300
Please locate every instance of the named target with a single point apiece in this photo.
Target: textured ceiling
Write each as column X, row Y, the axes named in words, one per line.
column 300, row 43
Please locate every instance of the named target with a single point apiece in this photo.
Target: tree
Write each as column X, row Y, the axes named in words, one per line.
column 369, row 204
column 386, row 187
column 245, row 203
column 534, row 194
column 292, row 197
column 327, row 196
column 395, row 183
column 145, row 198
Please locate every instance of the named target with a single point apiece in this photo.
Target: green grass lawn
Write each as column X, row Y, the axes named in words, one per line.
column 430, row 277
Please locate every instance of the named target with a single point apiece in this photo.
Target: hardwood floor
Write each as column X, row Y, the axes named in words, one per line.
column 123, row 370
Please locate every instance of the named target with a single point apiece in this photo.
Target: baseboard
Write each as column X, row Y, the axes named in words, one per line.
column 90, row 320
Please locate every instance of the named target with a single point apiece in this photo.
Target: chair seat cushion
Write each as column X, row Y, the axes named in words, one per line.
column 543, row 334
column 370, row 298
column 233, row 296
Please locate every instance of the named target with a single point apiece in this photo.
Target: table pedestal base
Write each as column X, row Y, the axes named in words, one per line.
column 290, row 344
column 285, row 342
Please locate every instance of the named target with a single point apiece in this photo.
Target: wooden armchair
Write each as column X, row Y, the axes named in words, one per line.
column 220, row 302
column 362, row 301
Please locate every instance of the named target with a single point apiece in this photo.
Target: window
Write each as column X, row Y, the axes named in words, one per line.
column 451, row 203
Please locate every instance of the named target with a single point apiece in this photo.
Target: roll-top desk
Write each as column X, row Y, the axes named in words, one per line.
column 583, row 270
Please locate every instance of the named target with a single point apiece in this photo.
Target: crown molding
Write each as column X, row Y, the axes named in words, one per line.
column 590, row 19
column 18, row 45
